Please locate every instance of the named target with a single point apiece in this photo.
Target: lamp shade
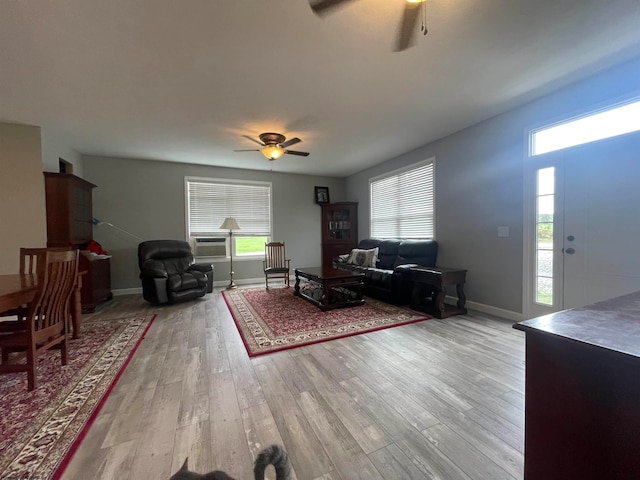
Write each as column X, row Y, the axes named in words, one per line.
column 229, row 224
column 272, row 152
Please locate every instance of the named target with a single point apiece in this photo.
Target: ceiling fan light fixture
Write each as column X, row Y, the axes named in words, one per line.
column 272, row 152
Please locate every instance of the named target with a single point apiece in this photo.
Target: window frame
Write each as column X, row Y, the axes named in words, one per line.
column 566, row 121
column 231, row 245
column 398, row 172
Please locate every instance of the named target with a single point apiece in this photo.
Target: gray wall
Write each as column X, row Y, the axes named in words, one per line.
column 479, row 185
column 54, row 147
column 147, row 199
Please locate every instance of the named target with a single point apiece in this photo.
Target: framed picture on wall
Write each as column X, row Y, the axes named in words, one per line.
column 322, row 195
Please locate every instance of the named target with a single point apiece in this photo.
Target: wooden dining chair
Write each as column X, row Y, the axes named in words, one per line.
column 31, row 262
column 275, row 263
column 47, row 318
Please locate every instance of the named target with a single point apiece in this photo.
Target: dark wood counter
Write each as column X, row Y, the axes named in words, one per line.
column 582, row 393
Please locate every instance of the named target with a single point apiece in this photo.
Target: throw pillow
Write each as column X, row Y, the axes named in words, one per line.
column 363, row 258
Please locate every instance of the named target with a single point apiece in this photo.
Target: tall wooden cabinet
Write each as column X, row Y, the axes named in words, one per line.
column 70, row 224
column 339, row 230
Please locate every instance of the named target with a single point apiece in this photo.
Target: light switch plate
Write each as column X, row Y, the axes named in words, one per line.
column 503, row 231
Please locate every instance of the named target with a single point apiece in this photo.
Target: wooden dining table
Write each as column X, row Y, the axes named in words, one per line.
column 20, row 288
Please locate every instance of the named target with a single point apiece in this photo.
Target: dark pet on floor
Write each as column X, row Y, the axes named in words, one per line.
column 273, row 455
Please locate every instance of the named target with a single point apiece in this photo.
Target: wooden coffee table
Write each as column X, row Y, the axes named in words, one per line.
column 329, row 287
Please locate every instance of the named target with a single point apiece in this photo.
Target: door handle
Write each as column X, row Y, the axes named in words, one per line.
column 569, row 251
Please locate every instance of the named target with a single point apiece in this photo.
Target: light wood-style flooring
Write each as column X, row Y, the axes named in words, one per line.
column 440, row 399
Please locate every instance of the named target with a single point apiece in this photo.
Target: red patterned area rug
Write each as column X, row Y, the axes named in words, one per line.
column 42, row 429
column 275, row 319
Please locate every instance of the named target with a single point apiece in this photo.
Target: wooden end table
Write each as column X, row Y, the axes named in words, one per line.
column 330, row 288
column 430, row 288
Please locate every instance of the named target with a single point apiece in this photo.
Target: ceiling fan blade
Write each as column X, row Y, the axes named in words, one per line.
column 320, row 7
column 253, row 140
column 288, row 143
column 408, row 27
column 293, row 152
column 252, row 150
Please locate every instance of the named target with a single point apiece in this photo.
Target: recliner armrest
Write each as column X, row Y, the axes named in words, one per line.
column 207, row 269
column 201, row 267
column 161, row 290
column 154, row 269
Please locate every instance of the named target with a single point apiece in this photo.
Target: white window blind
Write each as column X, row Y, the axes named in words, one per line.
column 211, row 201
column 402, row 203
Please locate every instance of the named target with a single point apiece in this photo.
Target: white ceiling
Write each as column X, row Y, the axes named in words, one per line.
column 183, row 80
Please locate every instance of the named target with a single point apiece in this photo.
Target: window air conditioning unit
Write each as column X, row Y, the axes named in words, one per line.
column 211, row 247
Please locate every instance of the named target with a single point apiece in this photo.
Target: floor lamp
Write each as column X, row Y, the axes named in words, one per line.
column 98, row 223
column 230, row 224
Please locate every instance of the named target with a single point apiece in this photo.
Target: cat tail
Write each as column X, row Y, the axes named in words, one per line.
column 273, row 455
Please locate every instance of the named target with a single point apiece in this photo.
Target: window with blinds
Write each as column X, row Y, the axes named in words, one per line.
column 402, row 203
column 210, row 201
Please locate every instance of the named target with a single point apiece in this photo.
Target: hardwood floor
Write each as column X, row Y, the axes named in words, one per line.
column 440, row 399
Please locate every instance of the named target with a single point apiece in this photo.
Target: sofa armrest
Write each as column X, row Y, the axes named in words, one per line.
column 402, row 282
column 404, row 268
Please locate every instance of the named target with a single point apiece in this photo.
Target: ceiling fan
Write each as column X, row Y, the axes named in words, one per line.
column 409, row 18
column 274, row 145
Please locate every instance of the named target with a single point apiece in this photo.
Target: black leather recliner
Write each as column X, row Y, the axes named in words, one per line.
column 169, row 274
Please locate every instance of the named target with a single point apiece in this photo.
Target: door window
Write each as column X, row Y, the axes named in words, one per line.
column 545, row 200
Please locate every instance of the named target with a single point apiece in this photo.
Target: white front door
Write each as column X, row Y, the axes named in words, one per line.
column 584, row 226
column 601, row 220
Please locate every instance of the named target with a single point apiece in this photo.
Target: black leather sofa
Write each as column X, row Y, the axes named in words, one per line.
column 169, row 274
column 390, row 279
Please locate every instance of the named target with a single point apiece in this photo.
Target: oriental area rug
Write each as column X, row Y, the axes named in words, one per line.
column 42, row 429
column 275, row 319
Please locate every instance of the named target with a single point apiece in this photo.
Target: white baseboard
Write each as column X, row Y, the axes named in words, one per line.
column 498, row 312
column 481, row 307
column 219, row 283
column 126, row 291
column 243, row 281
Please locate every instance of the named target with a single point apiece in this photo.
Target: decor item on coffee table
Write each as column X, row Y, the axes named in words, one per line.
column 230, row 224
column 41, row 429
column 430, row 288
column 329, row 288
column 272, row 320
